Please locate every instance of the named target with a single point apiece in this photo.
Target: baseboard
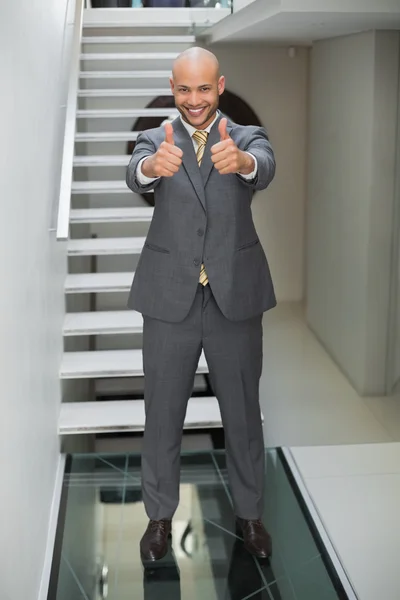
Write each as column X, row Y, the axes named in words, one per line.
column 51, row 535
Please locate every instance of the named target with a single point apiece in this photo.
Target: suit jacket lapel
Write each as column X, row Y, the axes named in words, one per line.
column 185, row 143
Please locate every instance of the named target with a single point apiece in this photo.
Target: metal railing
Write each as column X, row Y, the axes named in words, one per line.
column 64, row 203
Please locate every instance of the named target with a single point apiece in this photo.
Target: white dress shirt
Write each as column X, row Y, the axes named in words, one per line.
column 143, row 180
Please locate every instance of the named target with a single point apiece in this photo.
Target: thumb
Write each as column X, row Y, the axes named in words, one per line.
column 169, row 133
column 222, row 129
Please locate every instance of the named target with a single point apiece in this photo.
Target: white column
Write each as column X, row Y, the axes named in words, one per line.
column 352, row 168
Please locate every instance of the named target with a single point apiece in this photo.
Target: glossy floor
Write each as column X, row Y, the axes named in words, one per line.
column 306, row 400
column 102, row 519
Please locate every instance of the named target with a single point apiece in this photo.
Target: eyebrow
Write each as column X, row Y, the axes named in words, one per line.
column 199, row 86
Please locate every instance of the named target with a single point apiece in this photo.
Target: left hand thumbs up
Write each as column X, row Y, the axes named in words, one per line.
column 222, row 129
column 225, row 155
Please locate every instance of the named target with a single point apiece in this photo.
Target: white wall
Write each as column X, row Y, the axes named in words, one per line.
column 239, row 4
column 32, row 271
column 350, row 205
column 275, row 86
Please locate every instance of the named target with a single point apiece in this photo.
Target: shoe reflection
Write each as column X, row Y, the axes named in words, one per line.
column 233, row 581
column 161, row 579
column 244, row 578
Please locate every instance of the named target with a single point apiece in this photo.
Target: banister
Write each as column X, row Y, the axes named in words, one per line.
column 64, row 204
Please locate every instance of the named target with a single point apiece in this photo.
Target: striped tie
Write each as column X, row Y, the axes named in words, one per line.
column 201, row 138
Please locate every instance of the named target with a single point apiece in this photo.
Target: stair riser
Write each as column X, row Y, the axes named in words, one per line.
column 110, row 137
column 106, row 246
column 108, row 282
column 132, row 74
column 106, row 191
column 101, row 331
column 115, row 252
column 101, row 148
column 128, row 113
column 100, row 290
column 127, row 65
column 110, row 201
column 112, row 83
column 109, row 220
column 108, row 373
column 106, row 161
column 129, row 415
column 123, row 28
column 136, row 41
column 137, row 55
column 116, row 124
column 125, row 93
column 111, row 173
column 110, row 263
column 119, row 102
column 131, row 47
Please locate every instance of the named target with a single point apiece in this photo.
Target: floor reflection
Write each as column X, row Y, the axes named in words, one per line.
column 105, row 519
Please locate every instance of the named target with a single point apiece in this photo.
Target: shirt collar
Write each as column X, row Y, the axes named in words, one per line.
column 190, row 129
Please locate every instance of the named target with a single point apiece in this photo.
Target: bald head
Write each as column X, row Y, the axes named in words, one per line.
column 197, row 84
column 195, row 57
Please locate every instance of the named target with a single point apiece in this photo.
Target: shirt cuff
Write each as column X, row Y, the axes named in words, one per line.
column 253, row 174
column 142, row 179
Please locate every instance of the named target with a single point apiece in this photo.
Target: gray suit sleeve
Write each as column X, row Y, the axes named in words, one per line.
column 144, row 147
column 258, row 144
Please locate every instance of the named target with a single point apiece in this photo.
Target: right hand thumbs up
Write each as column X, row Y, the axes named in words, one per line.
column 169, row 133
column 168, row 158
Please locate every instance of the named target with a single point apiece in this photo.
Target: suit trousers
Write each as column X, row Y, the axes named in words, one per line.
column 171, row 351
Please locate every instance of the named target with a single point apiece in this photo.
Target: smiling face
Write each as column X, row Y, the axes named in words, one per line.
column 197, row 85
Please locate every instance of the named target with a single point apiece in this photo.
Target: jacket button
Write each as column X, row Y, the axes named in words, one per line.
column 196, row 262
column 200, row 232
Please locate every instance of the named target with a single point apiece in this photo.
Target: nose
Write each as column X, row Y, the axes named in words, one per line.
column 193, row 99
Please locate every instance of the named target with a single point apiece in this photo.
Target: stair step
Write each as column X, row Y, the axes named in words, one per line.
column 91, row 283
column 107, row 136
column 103, row 323
column 125, row 74
column 115, row 387
column 129, row 56
column 108, row 363
column 129, row 415
column 105, row 246
column 125, row 113
column 140, row 39
column 113, row 160
column 135, row 214
column 129, row 93
column 100, row 187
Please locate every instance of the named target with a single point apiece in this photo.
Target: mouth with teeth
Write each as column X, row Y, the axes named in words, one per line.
column 196, row 112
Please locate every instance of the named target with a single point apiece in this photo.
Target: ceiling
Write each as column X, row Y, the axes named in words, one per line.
column 290, row 22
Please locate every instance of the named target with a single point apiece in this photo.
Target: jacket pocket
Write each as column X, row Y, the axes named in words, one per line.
column 156, row 248
column 248, row 245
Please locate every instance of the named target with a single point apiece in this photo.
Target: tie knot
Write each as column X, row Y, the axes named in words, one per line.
column 200, row 137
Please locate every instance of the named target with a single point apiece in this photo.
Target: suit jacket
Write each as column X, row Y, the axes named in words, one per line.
column 199, row 217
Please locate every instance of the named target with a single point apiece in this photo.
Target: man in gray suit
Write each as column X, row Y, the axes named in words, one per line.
column 202, row 283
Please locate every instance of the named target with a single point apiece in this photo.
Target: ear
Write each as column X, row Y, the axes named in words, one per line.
column 221, row 85
column 172, row 85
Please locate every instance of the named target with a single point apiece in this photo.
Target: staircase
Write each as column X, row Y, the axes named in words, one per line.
column 122, row 70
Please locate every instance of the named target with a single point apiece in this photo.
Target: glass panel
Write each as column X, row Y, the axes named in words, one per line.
column 159, row 4
column 105, row 519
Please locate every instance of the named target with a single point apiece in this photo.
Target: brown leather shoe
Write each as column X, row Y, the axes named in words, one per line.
column 154, row 543
column 257, row 540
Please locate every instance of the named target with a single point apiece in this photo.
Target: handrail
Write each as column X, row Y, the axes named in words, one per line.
column 64, row 204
